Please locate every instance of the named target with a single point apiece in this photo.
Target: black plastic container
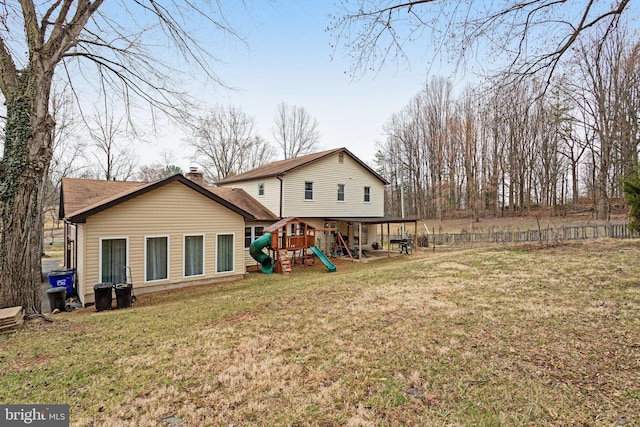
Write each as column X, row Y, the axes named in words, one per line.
column 57, row 298
column 103, row 296
column 123, row 295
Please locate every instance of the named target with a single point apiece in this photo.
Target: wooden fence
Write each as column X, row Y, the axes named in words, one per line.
column 615, row 231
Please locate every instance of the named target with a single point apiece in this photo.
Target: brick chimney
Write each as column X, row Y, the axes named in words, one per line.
column 195, row 176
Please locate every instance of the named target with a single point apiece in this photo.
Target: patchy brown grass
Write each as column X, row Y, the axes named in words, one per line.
column 518, row 335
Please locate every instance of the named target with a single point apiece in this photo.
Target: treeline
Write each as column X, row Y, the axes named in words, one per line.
column 518, row 143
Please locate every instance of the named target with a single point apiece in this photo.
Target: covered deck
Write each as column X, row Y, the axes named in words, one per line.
column 386, row 240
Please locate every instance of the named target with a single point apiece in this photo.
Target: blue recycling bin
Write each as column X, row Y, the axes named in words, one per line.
column 62, row 278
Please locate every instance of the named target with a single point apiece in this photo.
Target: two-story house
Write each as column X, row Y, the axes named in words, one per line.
column 179, row 231
column 329, row 189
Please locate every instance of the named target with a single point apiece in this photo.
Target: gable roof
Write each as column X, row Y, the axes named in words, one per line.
column 81, row 198
column 282, row 167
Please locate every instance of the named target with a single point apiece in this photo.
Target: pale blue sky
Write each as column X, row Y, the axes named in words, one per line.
column 288, row 59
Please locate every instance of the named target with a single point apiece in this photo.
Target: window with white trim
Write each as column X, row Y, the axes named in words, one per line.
column 224, row 253
column 194, row 255
column 251, row 234
column 341, row 192
column 261, row 189
column 367, row 194
column 113, row 259
column 156, row 258
column 308, row 190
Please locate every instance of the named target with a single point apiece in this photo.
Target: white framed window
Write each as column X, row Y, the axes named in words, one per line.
column 156, row 258
column 114, row 256
column 193, row 255
column 251, row 234
column 340, row 192
column 308, row 190
column 261, row 189
column 225, row 253
column 367, row 194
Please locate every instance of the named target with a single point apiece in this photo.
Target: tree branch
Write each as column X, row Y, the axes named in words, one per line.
column 33, row 36
column 64, row 35
column 8, row 71
column 375, row 32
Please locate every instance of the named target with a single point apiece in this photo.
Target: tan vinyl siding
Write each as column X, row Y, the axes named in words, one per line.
column 172, row 210
column 314, row 222
column 271, row 198
column 326, row 174
column 248, row 259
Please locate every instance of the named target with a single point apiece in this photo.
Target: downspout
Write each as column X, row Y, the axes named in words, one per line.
column 65, row 244
column 281, row 193
column 75, row 255
column 75, row 251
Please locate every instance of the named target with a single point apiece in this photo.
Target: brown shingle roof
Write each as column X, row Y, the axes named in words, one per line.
column 281, row 167
column 243, row 200
column 81, row 198
column 78, row 194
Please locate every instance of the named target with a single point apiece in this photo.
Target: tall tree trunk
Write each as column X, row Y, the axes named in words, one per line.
column 23, row 170
column 574, row 182
column 603, row 181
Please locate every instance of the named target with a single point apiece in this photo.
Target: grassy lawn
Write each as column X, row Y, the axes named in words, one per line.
column 518, row 335
column 54, row 250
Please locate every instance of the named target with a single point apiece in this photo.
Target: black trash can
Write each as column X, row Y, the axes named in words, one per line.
column 103, row 296
column 57, row 298
column 123, row 295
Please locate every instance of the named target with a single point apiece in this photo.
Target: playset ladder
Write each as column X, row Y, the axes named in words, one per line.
column 285, row 261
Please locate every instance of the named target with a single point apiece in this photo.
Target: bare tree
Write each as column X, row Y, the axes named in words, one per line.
column 467, row 132
column 114, row 158
column 610, row 106
column 67, row 149
column 225, row 144
column 295, row 132
column 109, row 47
column 534, row 34
column 159, row 170
column 576, row 134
